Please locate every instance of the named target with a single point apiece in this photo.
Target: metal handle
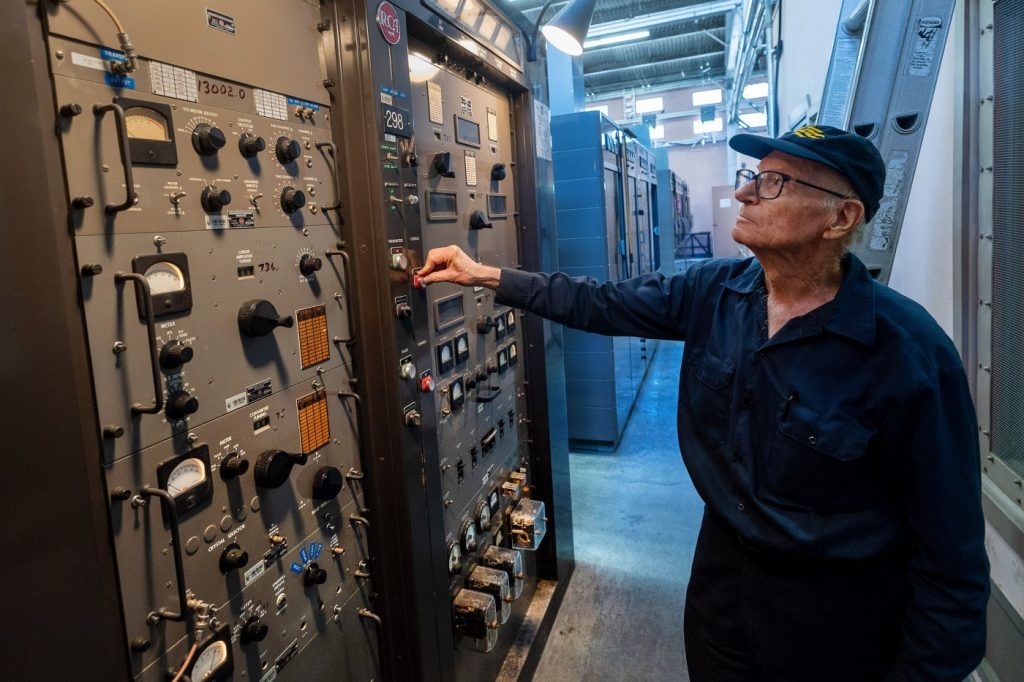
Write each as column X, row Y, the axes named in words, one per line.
column 346, row 266
column 337, row 179
column 167, row 502
column 142, row 292
column 126, row 163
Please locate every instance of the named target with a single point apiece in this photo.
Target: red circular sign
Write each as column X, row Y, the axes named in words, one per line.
column 387, row 21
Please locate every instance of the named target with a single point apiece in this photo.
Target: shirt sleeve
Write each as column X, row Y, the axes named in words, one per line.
column 948, row 570
column 651, row 306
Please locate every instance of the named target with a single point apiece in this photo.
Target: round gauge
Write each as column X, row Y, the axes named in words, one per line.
column 500, row 325
column 502, row 358
column 207, row 662
column 469, row 536
column 483, row 516
column 511, row 318
column 456, row 390
column 446, row 353
column 462, row 345
column 143, row 123
column 165, row 277
column 512, row 352
column 188, row 474
column 454, row 557
column 492, row 501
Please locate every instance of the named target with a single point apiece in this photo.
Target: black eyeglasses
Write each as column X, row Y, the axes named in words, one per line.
column 769, row 184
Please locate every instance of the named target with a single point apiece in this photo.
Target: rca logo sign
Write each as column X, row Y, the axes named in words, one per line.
column 387, row 21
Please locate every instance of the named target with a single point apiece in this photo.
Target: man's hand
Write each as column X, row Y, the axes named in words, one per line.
column 452, row 264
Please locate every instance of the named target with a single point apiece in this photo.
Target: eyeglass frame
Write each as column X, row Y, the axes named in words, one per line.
column 756, row 178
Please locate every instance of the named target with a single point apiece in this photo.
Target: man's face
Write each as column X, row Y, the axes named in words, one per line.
column 793, row 221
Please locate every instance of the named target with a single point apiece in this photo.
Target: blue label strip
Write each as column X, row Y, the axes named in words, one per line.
column 116, row 81
column 303, row 103
column 112, row 54
column 317, row 548
column 296, row 568
column 304, row 556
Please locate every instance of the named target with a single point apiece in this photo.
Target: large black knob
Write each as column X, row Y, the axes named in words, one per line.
column 254, row 630
column 492, row 367
column 182, row 405
column 174, row 354
column 327, row 483
column 233, row 558
column 274, row 466
column 287, row 150
column 250, row 145
column 498, row 172
column 410, row 160
column 309, row 264
column 258, row 317
column 214, row 199
column 484, row 324
column 292, row 200
column 233, row 466
column 314, row 575
column 443, row 165
column 477, row 221
column 207, row 140
column 471, row 381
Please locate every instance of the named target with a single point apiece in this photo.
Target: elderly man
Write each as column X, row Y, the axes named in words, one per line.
column 825, row 421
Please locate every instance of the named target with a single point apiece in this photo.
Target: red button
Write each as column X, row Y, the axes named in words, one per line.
column 417, row 282
column 427, row 384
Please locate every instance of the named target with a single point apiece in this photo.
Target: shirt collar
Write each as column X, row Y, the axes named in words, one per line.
column 851, row 313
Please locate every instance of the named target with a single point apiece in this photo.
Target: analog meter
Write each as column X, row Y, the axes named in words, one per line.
column 454, row 557
column 150, row 131
column 445, row 357
column 165, row 277
column 187, row 478
column 213, row 661
column 468, row 536
column 483, row 516
column 462, row 348
column 169, row 284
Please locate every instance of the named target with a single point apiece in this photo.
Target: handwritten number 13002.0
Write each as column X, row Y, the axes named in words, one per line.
column 208, row 88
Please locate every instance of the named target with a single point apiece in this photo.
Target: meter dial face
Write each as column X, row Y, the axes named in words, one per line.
column 500, row 324
column 446, row 354
column 454, row 557
column 456, row 391
column 492, row 501
column 511, row 319
column 469, row 537
column 146, row 124
column 512, row 353
column 207, row 663
column 483, row 516
column 186, row 475
column 462, row 345
column 165, row 277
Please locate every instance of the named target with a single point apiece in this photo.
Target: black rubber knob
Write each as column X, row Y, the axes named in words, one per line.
column 250, row 145
column 287, row 150
column 492, row 367
column 314, row 575
column 411, row 160
column 443, row 165
column 478, row 221
column 213, row 199
column 182, row 405
column 292, row 200
column 207, row 139
column 274, row 466
column 254, row 630
column 327, row 483
column 174, row 354
column 233, row 558
column 498, row 172
column 309, row 264
column 258, row 317
column 484, row 324
column 233, row 466
column 470, row 382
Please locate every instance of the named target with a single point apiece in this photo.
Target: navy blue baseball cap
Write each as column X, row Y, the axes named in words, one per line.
column 850, row 154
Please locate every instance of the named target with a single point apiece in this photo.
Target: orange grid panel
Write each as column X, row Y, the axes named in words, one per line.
column 314, row 426
column 313, row 344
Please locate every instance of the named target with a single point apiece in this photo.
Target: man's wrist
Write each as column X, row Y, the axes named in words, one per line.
column 489, row 276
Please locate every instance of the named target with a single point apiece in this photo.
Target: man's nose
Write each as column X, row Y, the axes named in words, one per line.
column 747, row 193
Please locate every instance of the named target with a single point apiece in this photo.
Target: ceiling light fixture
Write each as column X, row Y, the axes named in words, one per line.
column 612, row 40
column 566, row 30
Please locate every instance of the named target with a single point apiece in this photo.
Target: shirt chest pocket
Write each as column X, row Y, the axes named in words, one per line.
column 709, row 390
column 820, row 463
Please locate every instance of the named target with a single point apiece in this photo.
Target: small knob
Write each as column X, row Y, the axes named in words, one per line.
column 254, row 630
column 233, row 558
column 287, row 150
column 274, row 466
column 174, row 354
column 213, row 199
column 407, row 370
column 411, row 160
column 471, row 382
column 498, row 172
column 314, row 575
column 258, row 317
column 207, row 139
column 182, row 405
column 250, row 145
column 477, row 221
column 292, row 199
column 427, row 384
column 399, row 262
column 233, row 466
column 443, row 165
column 309, row 264
column 327, row 483
column 484, row 324
column 403, row 311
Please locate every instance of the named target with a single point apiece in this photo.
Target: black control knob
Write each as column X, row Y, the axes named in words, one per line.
column 214, row 199
column 250, row 145
column 498, row 172
column 292, row 200
column 478, row 221
column 411, row 160
column 258, row 317
column 207, row 139
column 314, row 575
column 174, row 354
column 471, row 381
column 484, row 324
column 481, row 375
column 233, row 466
column 233, row 558
column 274, row 466
column 309, row 264
column 492, row 367
column 254, row 630
column 403, row 311
column 327, row 483
column 182, row 405
column 287, row 150
column 443, row 165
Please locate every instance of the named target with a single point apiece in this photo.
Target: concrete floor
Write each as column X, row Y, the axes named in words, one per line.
column 636, row 517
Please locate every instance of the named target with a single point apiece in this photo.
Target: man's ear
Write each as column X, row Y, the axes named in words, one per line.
column 847, row 217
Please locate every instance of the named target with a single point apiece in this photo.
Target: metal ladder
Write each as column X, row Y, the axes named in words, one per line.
column 885, row 62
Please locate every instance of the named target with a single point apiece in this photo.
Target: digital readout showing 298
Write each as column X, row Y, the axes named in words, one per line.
column 396, row 120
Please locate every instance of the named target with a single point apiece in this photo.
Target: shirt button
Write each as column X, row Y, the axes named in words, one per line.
column 740, row 507
column 812, row 439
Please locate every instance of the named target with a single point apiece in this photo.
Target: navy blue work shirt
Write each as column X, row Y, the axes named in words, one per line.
column 849, row 434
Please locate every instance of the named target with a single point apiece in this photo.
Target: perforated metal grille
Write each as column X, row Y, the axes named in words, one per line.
column 1008, row 237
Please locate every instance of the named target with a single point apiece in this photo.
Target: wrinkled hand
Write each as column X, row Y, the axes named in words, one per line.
column 452, row 264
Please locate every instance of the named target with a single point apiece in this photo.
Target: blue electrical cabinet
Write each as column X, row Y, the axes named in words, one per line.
column 606, row 217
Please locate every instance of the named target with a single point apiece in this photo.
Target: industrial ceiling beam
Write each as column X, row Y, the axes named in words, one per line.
column 590, row 52
column 663, row 63
column 671, row 16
